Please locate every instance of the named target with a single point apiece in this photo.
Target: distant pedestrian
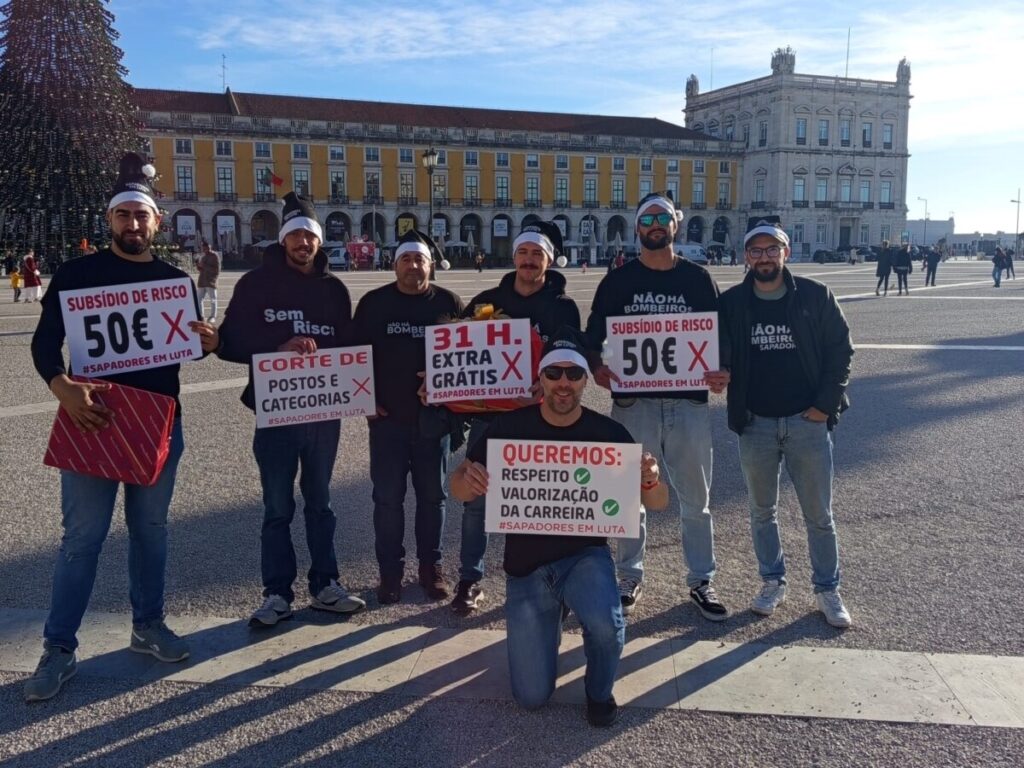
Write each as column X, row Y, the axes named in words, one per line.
column 1009, row 265
column 932, row 257
column 209, row 271
column 33, row 281
column 998, row 265
column 9, row 262
column 583, row 266
column 479, row 262
column 16, row 283
column 903, row 265
column 884, row 268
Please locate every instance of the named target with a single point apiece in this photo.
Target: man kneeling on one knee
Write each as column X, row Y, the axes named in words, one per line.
column 546, row 573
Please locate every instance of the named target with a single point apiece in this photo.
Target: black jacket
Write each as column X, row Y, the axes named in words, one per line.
column 547, row 310
column 884, row 268
column 822, row 339
column 274, row 302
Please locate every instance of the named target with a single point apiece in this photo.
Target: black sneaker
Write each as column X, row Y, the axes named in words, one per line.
column 630, row 591
column 468, row 597
column 703, row 595
column 390, row 590
column 602, row 714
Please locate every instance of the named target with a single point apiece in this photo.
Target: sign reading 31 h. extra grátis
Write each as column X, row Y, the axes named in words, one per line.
column 329, row 384
column 662, row 353
column 563, row 488
column 478, row 359
column 120, row 328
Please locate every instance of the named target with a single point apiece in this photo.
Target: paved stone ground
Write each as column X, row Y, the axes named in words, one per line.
column 928, row 499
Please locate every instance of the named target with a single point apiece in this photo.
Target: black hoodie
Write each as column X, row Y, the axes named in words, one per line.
column 275, row 302
column 547, row 310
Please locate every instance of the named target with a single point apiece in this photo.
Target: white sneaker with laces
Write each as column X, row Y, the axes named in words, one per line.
column 771, row 596
column 334, row 598
column 274, row 609
column 831, row 604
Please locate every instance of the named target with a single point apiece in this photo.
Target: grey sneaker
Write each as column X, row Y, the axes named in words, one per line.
column 56, row 667
column 334, row 598
column 772, row 595
column 158, row 640
column 831, row 604
column 274, row 609
column 630, row 590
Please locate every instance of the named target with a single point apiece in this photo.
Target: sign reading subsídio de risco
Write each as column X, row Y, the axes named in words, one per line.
column 563, row 488
column 329, row 384
column 478, row 359
column 130, row 327
column 662, row 353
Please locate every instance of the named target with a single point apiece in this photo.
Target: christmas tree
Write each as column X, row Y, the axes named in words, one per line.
column 65, row 117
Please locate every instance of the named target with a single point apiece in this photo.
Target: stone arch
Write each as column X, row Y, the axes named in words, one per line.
column 187, row 229
column 337, row 227
column 227, row 232
column 264, row 226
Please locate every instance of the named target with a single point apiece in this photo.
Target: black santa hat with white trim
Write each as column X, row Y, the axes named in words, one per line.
column 299, row 213
column 414, row 241
column 134, row 183
column 546, row 234
column 565, row 346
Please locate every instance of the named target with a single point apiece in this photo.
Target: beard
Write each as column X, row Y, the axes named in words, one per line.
column 767, row 277
column 135, row 247
column 655, row 241
column 565, row 404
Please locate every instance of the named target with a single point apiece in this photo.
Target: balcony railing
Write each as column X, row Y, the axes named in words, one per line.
column 406, row 200
column 373, row 200
column 822, row 203
column 723, row 205
column 471, row 202
column 757, row 204
column 225, row 197
column 442, row 202
column 591, row 204
column 887, row 206
column 699, row 206
column 502, row 202
column 338, row 200
column 264, row 197
column 799, row 203
column 618, row 204
column 867, row 206
column 562, row 202
column 188, row 196
column 532, row 202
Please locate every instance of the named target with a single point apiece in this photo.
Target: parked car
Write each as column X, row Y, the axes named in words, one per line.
column 692, row 252
column 337, row 259
column 823, row 255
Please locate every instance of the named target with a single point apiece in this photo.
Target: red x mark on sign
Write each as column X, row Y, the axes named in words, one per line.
column 361, row 385
column 175, row 326
column 511, row 361
column 698, row 355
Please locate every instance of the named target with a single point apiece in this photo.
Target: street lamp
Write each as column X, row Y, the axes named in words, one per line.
column 925, row 200
column 1016, row 229
column 429, row 160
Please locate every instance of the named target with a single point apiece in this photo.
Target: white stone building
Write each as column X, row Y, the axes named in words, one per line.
column 826, row 154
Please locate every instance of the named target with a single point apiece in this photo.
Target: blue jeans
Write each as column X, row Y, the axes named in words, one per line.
column 396, row 449
column 87, row 507
column 678, row 433
column 807, row 448
column 585, row 582
column 474, row 537
column 279, row 452
column 997, row 275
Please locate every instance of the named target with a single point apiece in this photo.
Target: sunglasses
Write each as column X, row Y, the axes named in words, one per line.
column 554, row 372
column 647, row 219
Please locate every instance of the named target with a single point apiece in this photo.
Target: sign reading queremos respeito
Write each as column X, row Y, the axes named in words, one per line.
column 478, row 359
column 563, row 488
column 662, row 353
column 329, row 384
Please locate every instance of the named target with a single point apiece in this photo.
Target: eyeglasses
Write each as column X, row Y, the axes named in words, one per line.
column 647, row 219
column 772, row 252
column 554, row 372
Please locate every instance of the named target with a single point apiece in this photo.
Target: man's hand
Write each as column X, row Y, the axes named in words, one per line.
column 380, row 412
column 303, row 345
column 476, row 477
column 649, row 472
column 813, row 414
column 209, row 338
column 421, row 391
column 76, row 398
column 653, row 492
column 717, row 381
column 604, row 376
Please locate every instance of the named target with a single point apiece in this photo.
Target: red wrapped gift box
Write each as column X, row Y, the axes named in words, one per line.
column 132, row 449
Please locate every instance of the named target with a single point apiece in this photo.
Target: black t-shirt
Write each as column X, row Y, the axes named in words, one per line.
column 100, row 269
column 394, row 322
column 779, row 385
column 635, row 289
column 524, row 553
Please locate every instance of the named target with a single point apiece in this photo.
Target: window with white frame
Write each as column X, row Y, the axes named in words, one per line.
column 300, row 181
column 561, row 162
column 865, row 191
column 183, row 146
column 865, row 234
column 801, row 130
column 472, row 158
column 532, row 189
column 442, row 157
column 561, row 190
column 799, row 188
column 336, row 153
column 222, row 148
column 501, row 159
column 263, row 181
column 866, row 129
column 844, row 132
column 798, row 233
column 261, row 150
column 698, row 166
column 698, row 191
column 673, row 165
column 225, row 180
column 618, row 163
column 300, row 151
column 823, row 133
column 723, row 192
column 885, row 193
column 337, row 184
column 532, row 161
column 886, row 233
column 501, row 188
column 405, row 155
column 407, row 185
column 762, row 133
column 590, row 190
column 672, row 187
column 589, row 163
column 646, row 186
column 372, row 184
column 618, row 191
column 820, row 233
column 371, row 154
column 845, row 190
column 759, row 190
column 821, row 189
column 183, row 179
column 645, row 164
column 472, row 186
column 746, row 134
column 886, row 135
column 440, row 185
column 723, row 167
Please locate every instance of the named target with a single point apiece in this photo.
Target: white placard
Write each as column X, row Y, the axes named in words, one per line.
column 186, row 225
column 329, row 384
column 225, row 224
column 501, row 228
column 662, row 353
column 563, row 488
column 560, row 223
column 478, row 359
column 120, row 328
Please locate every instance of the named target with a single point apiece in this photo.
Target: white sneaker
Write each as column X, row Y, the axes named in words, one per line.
column 772, row 595
column 274, row 609
column 333, row 597
column 831, row 604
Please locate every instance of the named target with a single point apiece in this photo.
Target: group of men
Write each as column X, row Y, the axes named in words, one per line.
column 785, row 353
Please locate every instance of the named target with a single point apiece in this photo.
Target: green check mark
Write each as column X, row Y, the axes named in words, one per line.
column 582, row 475
column 610, row 507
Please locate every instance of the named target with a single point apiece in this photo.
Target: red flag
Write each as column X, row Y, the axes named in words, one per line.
column 270, row 178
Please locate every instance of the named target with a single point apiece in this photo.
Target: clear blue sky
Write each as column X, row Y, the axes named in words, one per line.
column 621, row 57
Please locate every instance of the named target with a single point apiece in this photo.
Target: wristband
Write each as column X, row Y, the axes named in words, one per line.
column 649, row 486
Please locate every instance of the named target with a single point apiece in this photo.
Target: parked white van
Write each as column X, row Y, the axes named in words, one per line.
column 694, row 253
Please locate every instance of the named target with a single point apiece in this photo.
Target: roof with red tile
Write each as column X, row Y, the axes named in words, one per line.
column 425, row 116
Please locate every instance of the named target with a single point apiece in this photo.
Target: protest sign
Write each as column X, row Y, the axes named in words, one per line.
column 120, row 328
column 478, row 359
column 662, row 353
column 329, row 384
column 563, row 488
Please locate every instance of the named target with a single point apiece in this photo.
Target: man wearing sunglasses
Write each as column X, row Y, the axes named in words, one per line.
column 544, row 572
column 535, row 292
column 674, row 426
column 786, row 352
